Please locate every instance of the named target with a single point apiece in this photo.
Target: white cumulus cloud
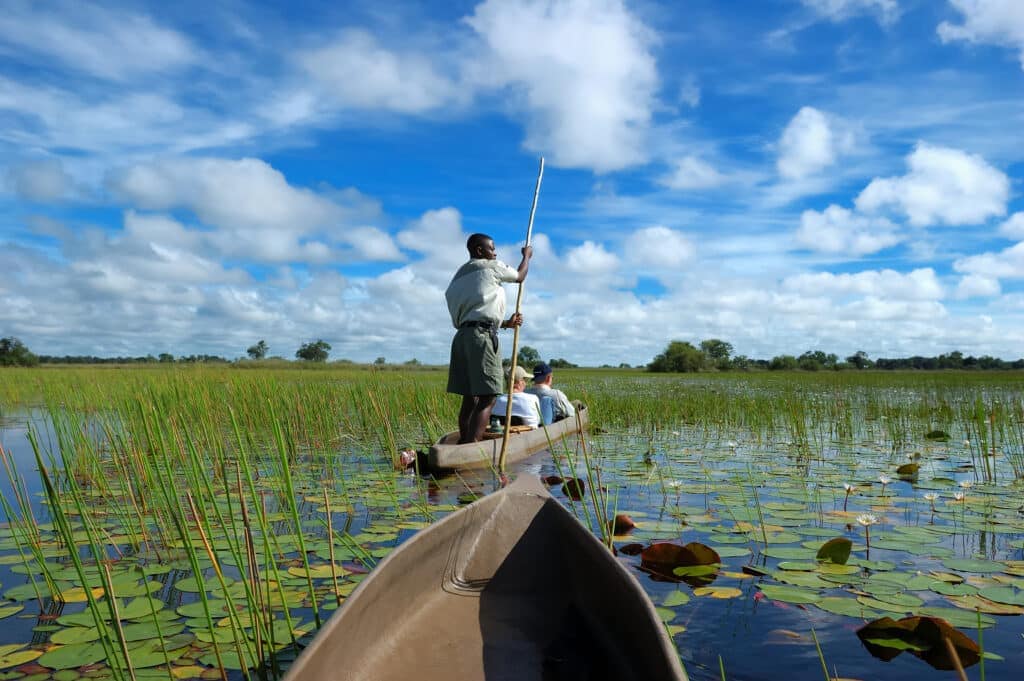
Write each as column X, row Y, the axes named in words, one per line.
column 977, row 285
column 996, row 22
column 692, row 173
column 584, row 73
column 943, row 186
column 658, row 247
column 1013, row 227
column 113, row 43
column 1006, row 264
column 359, row 72
column 919, row 284
column 591, row 259
column 839, row 230
column 811, row 142
column 44, row 180
column 887, row 11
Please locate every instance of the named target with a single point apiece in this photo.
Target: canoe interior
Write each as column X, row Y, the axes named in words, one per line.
column 510, row 588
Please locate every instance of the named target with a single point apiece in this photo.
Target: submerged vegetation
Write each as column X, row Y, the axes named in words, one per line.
column 180, row 522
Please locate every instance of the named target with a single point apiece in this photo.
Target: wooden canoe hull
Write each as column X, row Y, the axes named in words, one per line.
column 445, row 455
column 512, row 587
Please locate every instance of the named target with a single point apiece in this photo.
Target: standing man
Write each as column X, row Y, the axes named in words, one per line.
column 476, row 303
column 542, row 379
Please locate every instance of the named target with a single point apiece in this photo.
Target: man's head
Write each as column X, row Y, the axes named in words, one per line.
column 541, row 373
column 518, row 379
column 481, row 247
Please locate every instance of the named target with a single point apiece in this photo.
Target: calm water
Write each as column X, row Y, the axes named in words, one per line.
column 691, row 485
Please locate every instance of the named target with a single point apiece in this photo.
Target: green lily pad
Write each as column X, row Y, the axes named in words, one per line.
column 666, row 614
column 836, row 550
column 8, row 610
column 870, row 602
column 947, row 589
column 72, row 656
column 789, row 594
column 789, row 553
column 676, row 598
column 191, row 585
column 730, row 551
column 957, row 617
column 849, row 607
column 972, row 565
column 1003, row 594
column 13, row 655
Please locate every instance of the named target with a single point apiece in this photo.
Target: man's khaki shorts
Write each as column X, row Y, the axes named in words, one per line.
column 475, row 365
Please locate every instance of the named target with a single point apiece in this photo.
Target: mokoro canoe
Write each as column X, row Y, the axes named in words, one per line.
column 510, row 588
column 446, row 455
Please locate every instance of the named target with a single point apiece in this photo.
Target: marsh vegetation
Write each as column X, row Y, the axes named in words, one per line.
column 179, row 522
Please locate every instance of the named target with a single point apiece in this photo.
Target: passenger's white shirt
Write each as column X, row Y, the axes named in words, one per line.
column 475, row 292
column 524, row 405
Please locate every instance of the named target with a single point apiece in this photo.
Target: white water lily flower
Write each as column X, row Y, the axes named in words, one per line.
column 967, row 443
column 959, row 496
column 867, row 519
column 731, row 444
column 965, row 484
column 884, row 479
column 848, row 487
column 931, row 496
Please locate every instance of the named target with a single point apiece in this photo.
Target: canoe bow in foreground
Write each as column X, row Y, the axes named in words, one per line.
column 445, row 455
column 512, row 587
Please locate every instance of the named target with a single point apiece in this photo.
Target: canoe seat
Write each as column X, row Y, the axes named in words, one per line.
column 501, row 433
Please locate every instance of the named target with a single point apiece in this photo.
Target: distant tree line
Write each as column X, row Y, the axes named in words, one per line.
column 715, row 354
column 528, row 358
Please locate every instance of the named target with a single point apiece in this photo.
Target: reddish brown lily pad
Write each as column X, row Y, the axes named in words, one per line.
column 923, row 637
column 633, row 549
column 574, row 488
column 621, row 524
column 663, row 558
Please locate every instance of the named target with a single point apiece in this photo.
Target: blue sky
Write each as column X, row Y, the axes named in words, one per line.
column 786, row 175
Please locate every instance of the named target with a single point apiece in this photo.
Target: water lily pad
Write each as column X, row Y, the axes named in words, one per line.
column 870, row 602
column 14, row 654
column 957, row 617
column 972, row 565
column 789, row 594
column 665, row 614
column 676, row 598
column 75, row 635
column 72, row 656
column 947, row 589
column 730, row 551
column 191, row 585
column 8, row 610
column 319, row 571
column 849, row 607
column 835, row 550
column 789, row 553
column 809, row 580
column 837, row 569
column 924, row 637
column 984, row 605
column 1006, row 595
column 721, row 592
column 904, row 600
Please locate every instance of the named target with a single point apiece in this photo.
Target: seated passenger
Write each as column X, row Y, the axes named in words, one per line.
column 525, row 407
column 542, row 379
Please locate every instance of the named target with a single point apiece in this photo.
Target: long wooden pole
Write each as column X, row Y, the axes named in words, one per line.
column 515, row 333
